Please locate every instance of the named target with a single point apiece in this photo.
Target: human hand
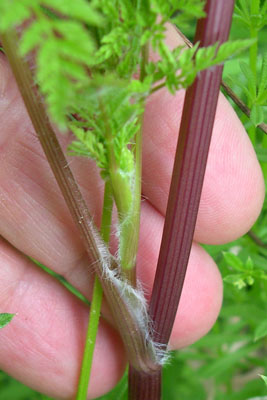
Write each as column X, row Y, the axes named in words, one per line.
column 44, row 343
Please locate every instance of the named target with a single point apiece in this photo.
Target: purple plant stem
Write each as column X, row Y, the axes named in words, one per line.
column 144, row 386
column 185, row 191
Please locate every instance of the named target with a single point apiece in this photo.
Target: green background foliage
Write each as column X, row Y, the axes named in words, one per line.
column 231, row 361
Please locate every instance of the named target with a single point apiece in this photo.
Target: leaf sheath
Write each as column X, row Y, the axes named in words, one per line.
column 125, row 303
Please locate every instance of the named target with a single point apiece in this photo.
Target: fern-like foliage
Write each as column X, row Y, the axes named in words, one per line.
column 65, row 47
column 255, row 89
column 89, row 57
column 107, row 123
column 250, row 20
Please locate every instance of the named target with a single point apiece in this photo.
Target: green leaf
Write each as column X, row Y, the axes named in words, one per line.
column 250, row 280
column 225, row 362
column 5, row 318
column 13, row 14
column 251, row 80
column 244, row 7
column 261, row 330
column 237, row 280
column 78, row 9
column 231, row 48
column 265, row 380
column 256, row 115
column 239, row 16
column 233, row 261
column 249, row 264
column 89, row 146
column 262, row 88
column 186, row 12
column 68, row 46
column 262, row 98
column 33, row 36
column 264, row 12
column 261, row 154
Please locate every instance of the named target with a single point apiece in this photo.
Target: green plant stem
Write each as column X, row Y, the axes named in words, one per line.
column 129, row 235
column 120, row 184
column 122, row 304
column 129, row 208
column 96, row 302
column 134, row 379
column 131, row 227
column 253, row 52
column 107, row 213
column 123, row 196
column 93, row 322
column 240, row 104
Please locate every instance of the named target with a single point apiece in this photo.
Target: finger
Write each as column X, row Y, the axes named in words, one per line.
column 77, row 271
column 43, row 344
column 202, row 292
column 53, row 213
column 233, row 190
column 33, row 215
column 35, row 219
column 48, row 234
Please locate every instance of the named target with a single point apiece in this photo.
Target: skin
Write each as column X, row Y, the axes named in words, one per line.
column 43, row 344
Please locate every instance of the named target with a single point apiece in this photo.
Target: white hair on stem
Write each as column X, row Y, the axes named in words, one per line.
column 137, row 304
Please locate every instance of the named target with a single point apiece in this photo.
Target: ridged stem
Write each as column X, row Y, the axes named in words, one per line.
column 186, row 186
column 188, row 174
column 144, row 386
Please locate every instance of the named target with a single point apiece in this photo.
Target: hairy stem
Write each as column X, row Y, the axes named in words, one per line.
column 124, row 303
column 137, row 200
column 119, row 183
column 131, row 229
column 124, row 199
column 96, row 302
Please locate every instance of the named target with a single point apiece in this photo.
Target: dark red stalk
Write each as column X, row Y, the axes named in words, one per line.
column 144, row 386
column 185, row 191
